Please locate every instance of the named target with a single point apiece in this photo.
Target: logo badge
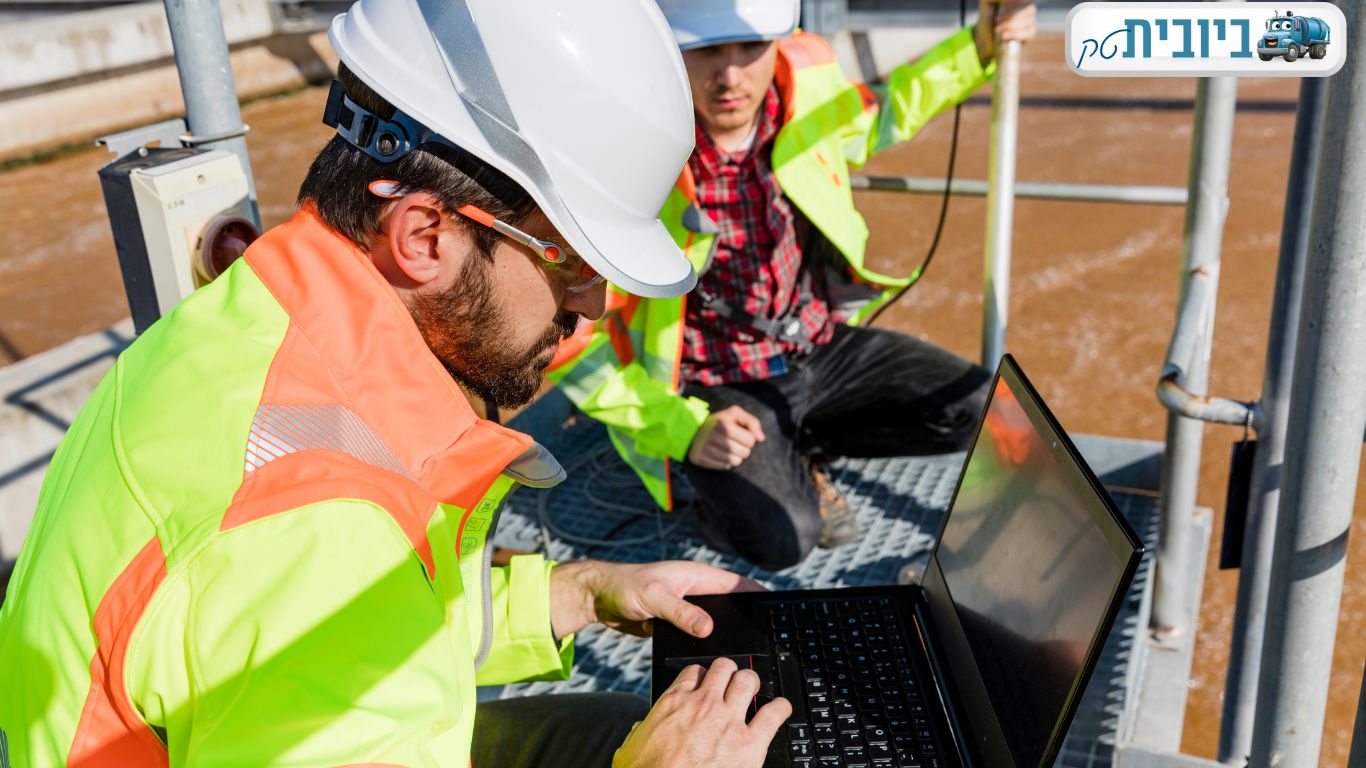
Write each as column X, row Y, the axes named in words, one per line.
column 1206, row 39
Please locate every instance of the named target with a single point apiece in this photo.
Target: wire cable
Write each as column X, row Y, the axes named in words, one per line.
column 943, row 206
column 602, row 471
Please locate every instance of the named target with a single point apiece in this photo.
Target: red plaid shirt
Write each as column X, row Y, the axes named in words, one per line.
column 757, row 265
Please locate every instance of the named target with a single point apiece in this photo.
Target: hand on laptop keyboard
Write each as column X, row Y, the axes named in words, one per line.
column 701, row 721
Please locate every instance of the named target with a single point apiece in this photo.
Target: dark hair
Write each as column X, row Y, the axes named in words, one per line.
column 338, row 180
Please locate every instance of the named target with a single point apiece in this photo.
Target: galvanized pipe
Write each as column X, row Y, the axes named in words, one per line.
column 1214, row 410
column 1005, row 114
column 1033, row 190
column 1249, row 618
column 1323, row 437
column 201, row 58
column 1215, row 99
column 824, row 17
column 1184, row 353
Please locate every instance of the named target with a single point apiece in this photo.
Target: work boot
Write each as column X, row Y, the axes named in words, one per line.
column 838, row 525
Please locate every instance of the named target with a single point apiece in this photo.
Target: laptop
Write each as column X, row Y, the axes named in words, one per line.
column 984, row 662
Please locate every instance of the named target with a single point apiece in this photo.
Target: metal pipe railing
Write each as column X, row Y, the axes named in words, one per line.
column 1323, row 437
column 1031, row 190
column 201, row 58
column 1254, row 573
column 1215, row 100
column 1188, row 344
column 1005, row 119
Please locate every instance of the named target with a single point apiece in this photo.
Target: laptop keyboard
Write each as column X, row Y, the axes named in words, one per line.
column 864, row 705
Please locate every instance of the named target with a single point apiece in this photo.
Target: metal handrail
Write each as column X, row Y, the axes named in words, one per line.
column 1188, row 338
column 1005, row 121
column 1032, row 190
column 1211, row 141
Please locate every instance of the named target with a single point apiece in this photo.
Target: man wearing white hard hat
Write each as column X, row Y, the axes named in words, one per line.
column 265, row 539
column 761, row 372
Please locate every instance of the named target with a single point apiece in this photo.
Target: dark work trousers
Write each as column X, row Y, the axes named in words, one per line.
column 868, row 393
column 579, row 729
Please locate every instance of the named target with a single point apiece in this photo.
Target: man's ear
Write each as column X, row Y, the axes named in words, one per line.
column 416, row 226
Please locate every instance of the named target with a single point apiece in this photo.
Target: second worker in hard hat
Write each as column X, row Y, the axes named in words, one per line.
column 757, row 375
column 265, row 539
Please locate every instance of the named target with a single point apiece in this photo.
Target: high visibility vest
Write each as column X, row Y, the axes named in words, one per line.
column 264, row 540
column 623, row 370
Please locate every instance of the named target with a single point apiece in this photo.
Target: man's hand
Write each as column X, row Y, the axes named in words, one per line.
column 626, row 597
column 700, row 723
column 725, row 439
column 1006, row 19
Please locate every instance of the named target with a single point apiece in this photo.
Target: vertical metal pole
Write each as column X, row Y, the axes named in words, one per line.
column 824, row 17
column 1005, row 114
column 1323, row 438
column 201, row 58
column 1245, row 650
column 1215, row 99
column 1357, row 758
column 810, row 18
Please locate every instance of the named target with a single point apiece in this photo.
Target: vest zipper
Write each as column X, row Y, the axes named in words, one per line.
column 486, row 592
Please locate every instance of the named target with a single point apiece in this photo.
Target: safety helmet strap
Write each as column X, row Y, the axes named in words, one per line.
column 384, row 140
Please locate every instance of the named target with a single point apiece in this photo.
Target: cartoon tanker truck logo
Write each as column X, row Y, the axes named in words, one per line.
column 1291, row 37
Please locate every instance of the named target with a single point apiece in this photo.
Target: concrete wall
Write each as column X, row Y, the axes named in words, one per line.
column 81, row 75
column 45, row 51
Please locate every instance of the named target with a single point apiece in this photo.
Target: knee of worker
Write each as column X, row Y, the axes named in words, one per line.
column 619, row 712
column 956, row 422
column 579, row 729
column 621, row 709
column 780, row 539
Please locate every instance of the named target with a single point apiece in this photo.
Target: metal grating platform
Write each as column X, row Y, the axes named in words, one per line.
column 899, row 502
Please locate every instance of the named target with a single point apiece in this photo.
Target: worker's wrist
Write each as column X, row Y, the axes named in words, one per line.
column 573, row 596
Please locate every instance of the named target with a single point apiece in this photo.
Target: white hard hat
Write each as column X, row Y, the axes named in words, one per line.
column 584, row 104
column 699, row 23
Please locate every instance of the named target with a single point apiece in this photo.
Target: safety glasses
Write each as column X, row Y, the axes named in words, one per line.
column 557, row 258
column 565, row 267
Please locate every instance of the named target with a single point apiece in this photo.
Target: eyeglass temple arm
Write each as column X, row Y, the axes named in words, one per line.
column 546, row 250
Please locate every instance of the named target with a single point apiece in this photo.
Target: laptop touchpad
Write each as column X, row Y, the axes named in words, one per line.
column 759, row 662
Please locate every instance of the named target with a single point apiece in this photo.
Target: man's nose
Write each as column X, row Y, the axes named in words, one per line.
column 730, row 75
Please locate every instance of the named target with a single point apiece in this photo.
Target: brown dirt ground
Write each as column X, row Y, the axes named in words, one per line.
column 1094, row 285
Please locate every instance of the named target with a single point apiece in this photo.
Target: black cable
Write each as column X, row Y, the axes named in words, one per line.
column 943, row 207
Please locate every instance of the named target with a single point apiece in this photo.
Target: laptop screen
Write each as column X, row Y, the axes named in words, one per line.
column 1032, row 558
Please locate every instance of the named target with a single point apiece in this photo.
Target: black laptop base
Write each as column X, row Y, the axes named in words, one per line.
column 851, row 661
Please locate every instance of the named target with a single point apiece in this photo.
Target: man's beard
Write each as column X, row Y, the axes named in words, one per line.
column 470, row 335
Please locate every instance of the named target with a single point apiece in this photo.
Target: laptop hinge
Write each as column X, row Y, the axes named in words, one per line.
column 939, row 671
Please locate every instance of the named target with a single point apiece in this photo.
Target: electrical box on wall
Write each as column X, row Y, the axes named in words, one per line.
column 180, row 216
